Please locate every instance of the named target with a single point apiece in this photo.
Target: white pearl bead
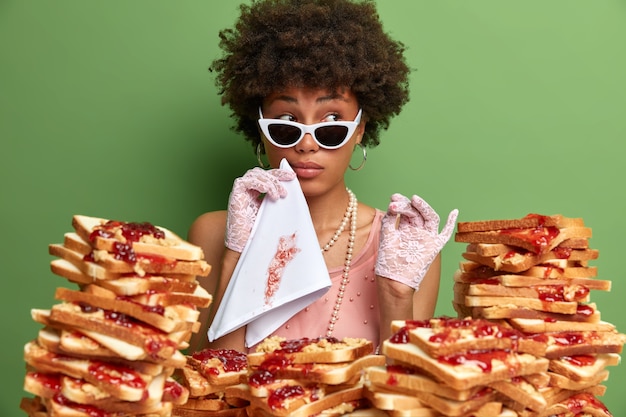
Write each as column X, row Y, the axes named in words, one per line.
column 350, row 215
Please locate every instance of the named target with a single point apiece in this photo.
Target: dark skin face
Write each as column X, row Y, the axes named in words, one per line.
column 319, row 170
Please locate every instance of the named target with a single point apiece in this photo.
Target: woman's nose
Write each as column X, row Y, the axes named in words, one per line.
column 307, row 144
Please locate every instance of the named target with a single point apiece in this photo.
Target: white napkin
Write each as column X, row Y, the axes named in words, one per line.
column 282, row 227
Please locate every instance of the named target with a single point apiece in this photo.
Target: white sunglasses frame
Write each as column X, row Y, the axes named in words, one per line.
column 304, row 129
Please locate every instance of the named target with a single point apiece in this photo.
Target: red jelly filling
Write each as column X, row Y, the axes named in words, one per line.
column 116, row 375
column 480, row 358
column 232, row 360
column 278, row 397
column 131, row 231
column 539, row 237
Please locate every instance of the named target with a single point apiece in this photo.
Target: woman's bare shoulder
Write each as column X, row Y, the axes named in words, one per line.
column 208, row 229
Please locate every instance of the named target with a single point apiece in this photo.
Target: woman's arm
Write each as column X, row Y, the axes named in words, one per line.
column 398, row 301
column 207, row 231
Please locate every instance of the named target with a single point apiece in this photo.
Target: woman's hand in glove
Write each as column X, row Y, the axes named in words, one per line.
column 410, row 239
column 245, row 200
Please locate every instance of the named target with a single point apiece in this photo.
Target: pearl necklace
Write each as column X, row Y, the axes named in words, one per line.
column 351, row 213
column 344, row 222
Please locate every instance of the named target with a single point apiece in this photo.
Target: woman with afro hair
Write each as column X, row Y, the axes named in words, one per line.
column 311, row 82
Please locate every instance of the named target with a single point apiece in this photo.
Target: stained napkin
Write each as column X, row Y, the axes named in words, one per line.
column 281, row 269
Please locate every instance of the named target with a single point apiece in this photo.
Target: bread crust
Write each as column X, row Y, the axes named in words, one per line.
column 317, row 350
column 145, row 263
column 169, row 246
column 303, row 406
column 479, row 334
column 572, row 343
column 526, row 238
column 325, row 373
column 470, row 375
column 577, row 370
column 157, row 345
column 45, row 361
column 514, row 261
column 527, row 222
column 174, row 318
column 409, row 380
column 521, row 391
column 220, row 366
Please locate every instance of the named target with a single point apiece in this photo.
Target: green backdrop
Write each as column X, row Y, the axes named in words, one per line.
column 107, row 109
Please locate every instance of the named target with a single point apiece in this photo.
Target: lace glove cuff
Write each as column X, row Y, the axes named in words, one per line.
column 410, row 239
column 245, row 200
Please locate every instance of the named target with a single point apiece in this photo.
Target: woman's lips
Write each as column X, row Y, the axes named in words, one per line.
column 307, row 169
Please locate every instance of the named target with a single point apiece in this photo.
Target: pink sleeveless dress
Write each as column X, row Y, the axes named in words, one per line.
column 359, row 313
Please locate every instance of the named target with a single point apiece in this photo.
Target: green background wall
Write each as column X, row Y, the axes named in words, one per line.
column 107, row 109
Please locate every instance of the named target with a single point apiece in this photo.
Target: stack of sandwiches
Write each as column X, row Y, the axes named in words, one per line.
column 533, row 275
column 112, row 343
column 457, row 367
column 528, row 341
column 306, row 377
column 207, row 375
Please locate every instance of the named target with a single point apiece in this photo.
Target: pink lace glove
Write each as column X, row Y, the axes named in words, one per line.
column 411, row 242
column 245, row 200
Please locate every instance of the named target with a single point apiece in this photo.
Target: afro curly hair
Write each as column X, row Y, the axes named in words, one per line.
column 325, row 44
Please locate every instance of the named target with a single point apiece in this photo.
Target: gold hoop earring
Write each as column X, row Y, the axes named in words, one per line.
column 363, row 161
column 259, row 152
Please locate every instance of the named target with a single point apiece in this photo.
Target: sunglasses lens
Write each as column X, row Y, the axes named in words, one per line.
column 284, row 134
column 331, row 135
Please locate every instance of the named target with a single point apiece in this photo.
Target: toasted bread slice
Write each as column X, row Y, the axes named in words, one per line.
column 575, row 249
column 298, row 401
column 474, row 334
column 516, row 261
column 68, row 409
column 322, row 373
column 471, row 369
column 389, row 400
column 220, row 366
column 561, row 307
column 198, row 298
column 137, row 262
column 530, row 221
column 82, row 392
column 120, row 382
column 537, row 240
column 512, row 280
column 546, row 293
column 168, row 319
column 267, row 386
column 88, row 268
column 552, row 271
column 584, row 313
column 207, row 404
column 408, row 380
column 104, row 344
column 135, row 353
column 157, row 344
column 75, row 343
column 490, row 409
column 393, row 400
column 522, row 392
column 563, row 382
column 184, row 411
column 126, row 285
column 581, row 368
column 571, row 343
column 104, row 234
column 197, row 384
column 582, row 403
column 544, row 326
column 317, row 350
column 66, row 341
